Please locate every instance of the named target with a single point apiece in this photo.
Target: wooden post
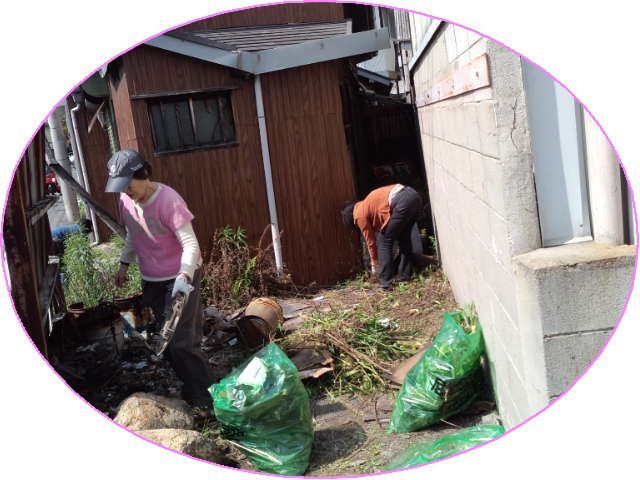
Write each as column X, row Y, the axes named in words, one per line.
column 21, row 266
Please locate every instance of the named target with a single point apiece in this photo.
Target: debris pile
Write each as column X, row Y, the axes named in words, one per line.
column 358, row 344
column 352, row 342
column 235, row 273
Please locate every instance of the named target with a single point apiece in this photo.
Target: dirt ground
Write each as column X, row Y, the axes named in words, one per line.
column 350, row 429
column 351, row 437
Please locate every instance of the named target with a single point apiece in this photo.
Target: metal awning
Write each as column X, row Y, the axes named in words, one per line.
column 254, row 39
column 260, row 50
column 375, row 76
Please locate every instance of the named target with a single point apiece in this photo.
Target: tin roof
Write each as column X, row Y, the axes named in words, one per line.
column 254, row 39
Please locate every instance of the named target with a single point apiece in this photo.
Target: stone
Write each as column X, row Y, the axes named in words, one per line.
column 145, row 411
column 189, row 442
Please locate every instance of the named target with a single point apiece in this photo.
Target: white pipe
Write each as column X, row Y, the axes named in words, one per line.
column 605, row 193
column 266, row 163
column 60, row 152
column 79, row 154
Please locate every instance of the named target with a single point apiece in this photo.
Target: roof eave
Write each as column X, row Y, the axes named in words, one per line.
column 280, row 58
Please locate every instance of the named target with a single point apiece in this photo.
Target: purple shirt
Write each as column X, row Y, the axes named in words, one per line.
column 152, row 229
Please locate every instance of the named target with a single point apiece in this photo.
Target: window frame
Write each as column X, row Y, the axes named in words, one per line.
column 190, row 96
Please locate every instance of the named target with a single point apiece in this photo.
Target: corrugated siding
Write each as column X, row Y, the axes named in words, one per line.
column 272, row 15
column 403, row 27
column 253, row 39
column 312, row 171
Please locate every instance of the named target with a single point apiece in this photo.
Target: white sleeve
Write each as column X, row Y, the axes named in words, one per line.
column 191, row 256
column 128, row 254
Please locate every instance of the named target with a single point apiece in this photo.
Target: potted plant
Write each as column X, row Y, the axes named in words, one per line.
column 89, row 274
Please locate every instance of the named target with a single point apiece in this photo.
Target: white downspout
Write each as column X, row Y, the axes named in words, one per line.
column 78, row 153
column 605, row 195
column 266, row 163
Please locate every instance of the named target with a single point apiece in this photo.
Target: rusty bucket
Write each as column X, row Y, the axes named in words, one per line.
column 260, row 322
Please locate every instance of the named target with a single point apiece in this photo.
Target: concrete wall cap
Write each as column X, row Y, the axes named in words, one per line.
column 576, row 254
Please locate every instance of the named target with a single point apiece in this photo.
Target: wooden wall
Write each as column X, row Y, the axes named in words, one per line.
column 222, row 186
column 272, row 15
column 96, row 150
column 312, row 170
column 28, row 243
column 225, row 186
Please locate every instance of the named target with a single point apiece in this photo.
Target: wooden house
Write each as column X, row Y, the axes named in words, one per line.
column 32, row 269
column 243, row 115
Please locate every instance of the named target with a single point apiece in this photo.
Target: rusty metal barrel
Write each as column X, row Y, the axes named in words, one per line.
column 260, row 322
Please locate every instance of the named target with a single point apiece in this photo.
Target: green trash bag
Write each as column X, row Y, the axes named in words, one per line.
column 263, row 408
column 445, row 381
column 457, row 442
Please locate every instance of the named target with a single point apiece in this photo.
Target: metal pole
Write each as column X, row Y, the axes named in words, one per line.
column 60, row 152
column 76, row 145
column 266, row 162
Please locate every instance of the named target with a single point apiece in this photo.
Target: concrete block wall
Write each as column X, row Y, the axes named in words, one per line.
column 578, row 292
column 479, row 168
column 545, row 312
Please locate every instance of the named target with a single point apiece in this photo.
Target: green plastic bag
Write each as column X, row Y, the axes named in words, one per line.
column 426, row 452
column 445, row 381
column 263, row 408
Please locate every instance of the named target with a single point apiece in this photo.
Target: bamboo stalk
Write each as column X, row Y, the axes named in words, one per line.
column 355, row 354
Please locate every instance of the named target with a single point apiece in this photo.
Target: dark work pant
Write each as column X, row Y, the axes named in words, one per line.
column 183, row 352
column 405, row 209
column 406, row 264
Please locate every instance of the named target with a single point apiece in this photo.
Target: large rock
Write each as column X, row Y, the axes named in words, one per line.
column 190, row 442
column 145, row 411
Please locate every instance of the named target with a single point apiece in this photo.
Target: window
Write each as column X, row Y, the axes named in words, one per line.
column 557, row 138
column 581, row 190
column 188, row 122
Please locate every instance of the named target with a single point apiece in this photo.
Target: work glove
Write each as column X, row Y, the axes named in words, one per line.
column 181, row 285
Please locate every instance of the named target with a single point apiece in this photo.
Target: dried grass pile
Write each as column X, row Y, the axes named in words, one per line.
column 234, row 272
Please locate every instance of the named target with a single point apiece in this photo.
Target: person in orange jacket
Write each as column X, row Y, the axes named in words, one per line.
column 385, row 216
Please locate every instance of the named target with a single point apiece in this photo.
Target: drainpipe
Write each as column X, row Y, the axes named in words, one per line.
column 78, row 153
column 60, row 153
column 266, row 163
column 605, row 188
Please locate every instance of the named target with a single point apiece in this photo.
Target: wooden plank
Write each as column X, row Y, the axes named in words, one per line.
column 103, row 214
column 21, row 262
column 144, row 96
column 472, row 76
column 48, row 287
column 36, row 211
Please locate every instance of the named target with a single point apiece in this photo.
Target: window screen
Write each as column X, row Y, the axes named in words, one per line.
column 182, row 123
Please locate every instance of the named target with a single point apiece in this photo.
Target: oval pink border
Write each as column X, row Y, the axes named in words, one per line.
column 361, row 3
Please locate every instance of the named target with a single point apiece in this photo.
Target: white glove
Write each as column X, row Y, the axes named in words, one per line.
column 181, row 285
column 374, row 268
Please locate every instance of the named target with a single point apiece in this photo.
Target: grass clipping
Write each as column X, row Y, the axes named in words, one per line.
column 235, row 273
column 363, row 345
